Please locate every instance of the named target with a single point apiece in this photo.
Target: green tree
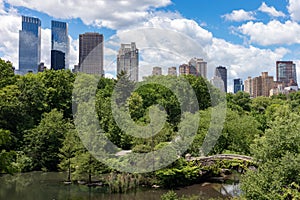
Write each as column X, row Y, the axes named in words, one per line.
column 7, row 157
column 278, row 155
column 58, row 90
column 7, row 76
column 44, row 141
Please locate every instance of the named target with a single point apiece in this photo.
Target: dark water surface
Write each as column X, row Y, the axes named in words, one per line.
column 44, row 186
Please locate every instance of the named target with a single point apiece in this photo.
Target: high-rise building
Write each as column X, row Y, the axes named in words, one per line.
column 286, row 72
column 29, row 45
column 200, row 65
column 57, row 60
column 128, row 61
column 186, row 69
column 157, row 71
column 222, row 73
column 238, row 85
column 172, row 71
column 60, row 42
column 91, row 53
column 248, row 86
column 218, row 83
column 262, row 85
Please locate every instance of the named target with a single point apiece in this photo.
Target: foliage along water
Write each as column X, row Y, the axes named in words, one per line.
column 39, row 185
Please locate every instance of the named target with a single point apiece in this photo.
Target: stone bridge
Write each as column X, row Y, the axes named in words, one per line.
column 209, row 160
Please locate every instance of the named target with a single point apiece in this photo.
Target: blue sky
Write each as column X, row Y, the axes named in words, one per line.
column 245, row 36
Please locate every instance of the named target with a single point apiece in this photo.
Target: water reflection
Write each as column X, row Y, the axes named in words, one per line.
column 38, row 185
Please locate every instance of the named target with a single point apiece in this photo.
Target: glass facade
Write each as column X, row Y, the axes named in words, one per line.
column 57, row 60
column 286, row 72
column 222, row 73
column 29, row 45
column 238, row 85
column 91, row 53
column 60, row 41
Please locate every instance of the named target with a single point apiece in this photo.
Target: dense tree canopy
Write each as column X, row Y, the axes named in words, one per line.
column 37, row 129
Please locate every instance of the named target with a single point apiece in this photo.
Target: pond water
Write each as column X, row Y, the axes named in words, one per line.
column 44, row 186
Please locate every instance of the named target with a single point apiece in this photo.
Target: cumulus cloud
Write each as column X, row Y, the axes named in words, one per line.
column 165, row 39
column 102, row 13
column 272, row 33
column 243, row 61
column 74, row 52
column 239, row 15
column 270, row 10
column 163, row 42
column 10, row 24
column 166, row 42
column 294, row 9
column 46, row 47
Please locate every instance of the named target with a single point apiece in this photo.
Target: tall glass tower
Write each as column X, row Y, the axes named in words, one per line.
column 286, row 72
column 222, row 73
column 238, row 85
column 29, row 45
column 91, row 53
column 60, row 42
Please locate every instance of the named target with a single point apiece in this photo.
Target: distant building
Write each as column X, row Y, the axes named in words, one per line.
column 60, row 42
column 57, row 60
column 186, row 69
column 248, row 86
column 172, row 71
column 157, row 71
column 262, row 85
column 280, row 89
column 128, row 61
column 218, row 83
column 286, row 72
column 91, row 53
column 200, row 65
column 29, row 45
column 222, row 73
column 238, row 85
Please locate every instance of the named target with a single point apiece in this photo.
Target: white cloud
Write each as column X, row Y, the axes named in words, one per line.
column 9, row 30
column 294, row 9
column 2, row 7
column 272, row 33
column 243, row 61
column 74, row 52
column 46, row 47
column 104, row 13
column 270, row 10
column 163, row 42
column 164, row 39
column 172, row 42
column 239, row 15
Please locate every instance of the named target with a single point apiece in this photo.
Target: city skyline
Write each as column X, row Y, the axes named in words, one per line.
column 233, row 35
column 91, row 56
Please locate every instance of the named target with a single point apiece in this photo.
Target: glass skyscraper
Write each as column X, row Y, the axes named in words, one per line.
column 29, row 45
column 60, row 42
column 91, row 53
column 286, row 72
column 222, row 73
column 238, row 85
